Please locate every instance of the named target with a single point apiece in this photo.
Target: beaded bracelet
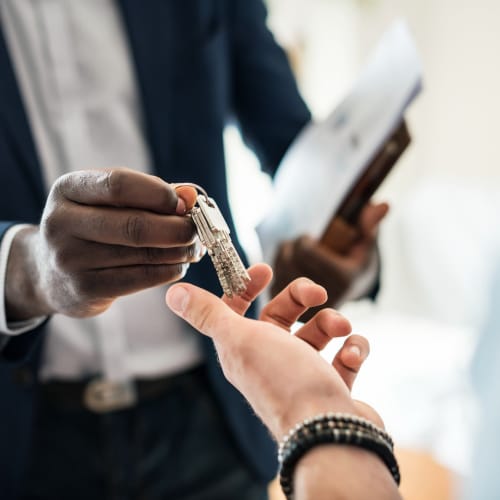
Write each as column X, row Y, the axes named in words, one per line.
column 333, row 428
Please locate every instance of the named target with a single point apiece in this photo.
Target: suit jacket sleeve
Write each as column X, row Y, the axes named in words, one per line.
column 265, row 97
column 16, row 348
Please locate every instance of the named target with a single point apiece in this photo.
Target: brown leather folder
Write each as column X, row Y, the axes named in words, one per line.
column 342, row 230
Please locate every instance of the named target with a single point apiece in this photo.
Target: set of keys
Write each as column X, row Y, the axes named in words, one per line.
column 213, row 232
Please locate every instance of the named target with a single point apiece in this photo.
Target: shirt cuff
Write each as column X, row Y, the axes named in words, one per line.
column 13, row 327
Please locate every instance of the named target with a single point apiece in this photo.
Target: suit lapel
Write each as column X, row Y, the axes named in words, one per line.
column 14, row 123
column 151, row 33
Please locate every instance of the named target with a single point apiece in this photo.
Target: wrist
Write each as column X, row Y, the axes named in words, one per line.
column 24, row 297
column 339, row 430
column 314, row 406
column 340, row 471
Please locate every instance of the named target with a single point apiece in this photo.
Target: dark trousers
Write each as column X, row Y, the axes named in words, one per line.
column 174, row 446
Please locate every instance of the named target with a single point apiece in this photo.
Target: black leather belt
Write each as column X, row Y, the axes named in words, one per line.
column 100, row 396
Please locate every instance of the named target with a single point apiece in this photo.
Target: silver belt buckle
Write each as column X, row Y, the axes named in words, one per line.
column 103, row 396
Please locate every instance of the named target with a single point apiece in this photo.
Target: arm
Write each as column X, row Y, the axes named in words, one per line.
column 265, row 97
column 286, row 380
column 357, row 474
column 13, row 347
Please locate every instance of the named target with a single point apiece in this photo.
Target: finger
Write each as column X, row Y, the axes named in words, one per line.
column 127, row 227
column 370, row 218
column 350, row 357
column 118, row 187
column 369, row 223
column 324, row 326
column 260, row 276
column 90, row 255
column 188, row 195
column 203, row 311
column 104, row 283
column 287, row 307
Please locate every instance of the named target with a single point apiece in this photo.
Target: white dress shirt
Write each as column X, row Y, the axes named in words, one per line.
column 74, row 69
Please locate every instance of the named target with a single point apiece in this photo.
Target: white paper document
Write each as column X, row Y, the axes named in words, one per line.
column 326, row 159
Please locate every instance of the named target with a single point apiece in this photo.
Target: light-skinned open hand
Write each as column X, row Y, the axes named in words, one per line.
column 283, row 376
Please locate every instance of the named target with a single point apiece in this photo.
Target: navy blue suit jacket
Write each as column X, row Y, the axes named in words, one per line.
column 198, row 64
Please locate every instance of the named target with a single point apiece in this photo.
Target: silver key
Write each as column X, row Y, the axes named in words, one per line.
column 213, row 232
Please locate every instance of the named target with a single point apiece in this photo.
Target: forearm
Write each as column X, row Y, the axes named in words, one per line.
column 343, row 472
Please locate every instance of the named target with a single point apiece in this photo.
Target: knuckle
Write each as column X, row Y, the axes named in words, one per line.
column 204, row 319
column 155, row 256
column 62, row 184
column 152, row 255
column 113, row 183
column 98, row 221
column 186, row 232
column 324, row 324
column 63, row 258
column 134, row 229
column 50, row 225
column 169, row 198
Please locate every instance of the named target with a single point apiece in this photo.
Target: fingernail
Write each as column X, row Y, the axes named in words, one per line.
column 355, row 350
column 303, row 285
column 178, row 298
column 181, row 206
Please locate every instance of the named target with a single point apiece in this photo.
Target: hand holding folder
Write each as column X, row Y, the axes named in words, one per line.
column 333, row 167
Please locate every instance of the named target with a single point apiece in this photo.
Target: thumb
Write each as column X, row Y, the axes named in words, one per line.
column 370, row 218
column 186, row 198
column 202, row 310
